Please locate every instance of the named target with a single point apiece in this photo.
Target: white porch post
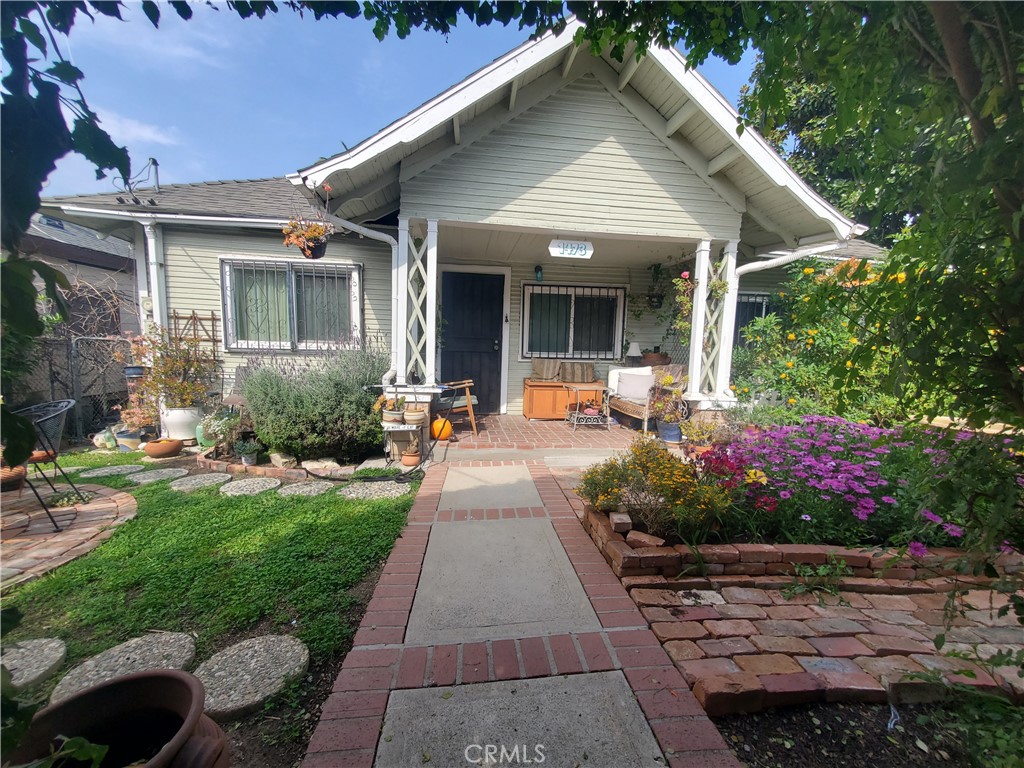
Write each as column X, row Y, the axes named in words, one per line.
column 432, row 286
column 724, row 368
column 400, row 290
column 702, row 275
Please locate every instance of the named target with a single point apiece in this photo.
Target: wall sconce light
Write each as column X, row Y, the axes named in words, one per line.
column 633, row 354
column 538, row 273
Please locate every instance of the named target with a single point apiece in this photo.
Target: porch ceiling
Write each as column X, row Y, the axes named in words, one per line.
column 509, row 246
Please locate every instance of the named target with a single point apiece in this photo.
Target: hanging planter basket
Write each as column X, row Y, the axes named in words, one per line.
column 309, row 235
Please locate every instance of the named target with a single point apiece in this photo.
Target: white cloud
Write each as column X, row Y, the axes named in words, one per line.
column 129, row 131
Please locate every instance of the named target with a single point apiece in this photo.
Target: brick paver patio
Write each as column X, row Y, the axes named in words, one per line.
column 32, row 548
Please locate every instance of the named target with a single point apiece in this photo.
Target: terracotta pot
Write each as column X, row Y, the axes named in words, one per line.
column 693, row 451
column 154, row 716
column 163, row 448
column 410, row 459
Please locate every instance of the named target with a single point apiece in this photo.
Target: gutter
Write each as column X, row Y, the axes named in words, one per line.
column 788, row 258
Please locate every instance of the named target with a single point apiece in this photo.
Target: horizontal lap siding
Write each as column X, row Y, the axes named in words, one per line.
column 578, row 161
column 193, row 276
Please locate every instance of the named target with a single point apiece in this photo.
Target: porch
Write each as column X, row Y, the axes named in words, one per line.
column 513, row 432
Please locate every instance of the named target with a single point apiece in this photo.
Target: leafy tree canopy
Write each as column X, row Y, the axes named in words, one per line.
column 932, row 88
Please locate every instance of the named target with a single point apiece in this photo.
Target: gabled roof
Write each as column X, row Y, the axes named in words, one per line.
column 677, row 104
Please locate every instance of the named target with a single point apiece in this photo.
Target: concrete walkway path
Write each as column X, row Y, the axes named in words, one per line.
column 498, row 635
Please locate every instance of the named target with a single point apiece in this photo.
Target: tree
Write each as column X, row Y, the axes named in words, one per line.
column 935, row 84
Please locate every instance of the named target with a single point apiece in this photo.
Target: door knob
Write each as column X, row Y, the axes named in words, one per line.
column 497, row 345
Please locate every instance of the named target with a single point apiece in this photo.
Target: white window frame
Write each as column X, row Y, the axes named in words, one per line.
column 290, row 267
column 617, row 292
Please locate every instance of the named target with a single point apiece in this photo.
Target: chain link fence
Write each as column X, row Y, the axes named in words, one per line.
column 83, row 369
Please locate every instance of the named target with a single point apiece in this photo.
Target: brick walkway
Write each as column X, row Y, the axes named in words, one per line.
column 32, row 548
column 381, row 661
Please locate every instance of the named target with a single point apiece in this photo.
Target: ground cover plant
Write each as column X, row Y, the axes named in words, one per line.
column 216, row 566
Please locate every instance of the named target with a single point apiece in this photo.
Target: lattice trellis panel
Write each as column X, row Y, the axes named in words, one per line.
column 712, row 347
column 416, row 330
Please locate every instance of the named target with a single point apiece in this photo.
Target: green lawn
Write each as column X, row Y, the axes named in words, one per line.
column 215, row 566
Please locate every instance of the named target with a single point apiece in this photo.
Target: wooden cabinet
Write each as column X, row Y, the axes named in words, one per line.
column 550, row 399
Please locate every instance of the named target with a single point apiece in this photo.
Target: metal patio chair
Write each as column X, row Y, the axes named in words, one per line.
column 48, row 419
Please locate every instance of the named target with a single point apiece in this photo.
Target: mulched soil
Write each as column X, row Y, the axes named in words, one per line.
column 839, row 736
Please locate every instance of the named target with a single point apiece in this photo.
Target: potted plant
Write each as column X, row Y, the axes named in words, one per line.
column 668, row 408
column 247, row 451
column 137, row 416
column 699, row 436
column 390, row 409
column 411, row 454
column 416, row 414
column 163, row 448
column 217, row 428
column 181, row 371
column 309, row 235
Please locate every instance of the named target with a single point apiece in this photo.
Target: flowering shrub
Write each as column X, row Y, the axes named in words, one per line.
column 828, row 480
column 663, row 493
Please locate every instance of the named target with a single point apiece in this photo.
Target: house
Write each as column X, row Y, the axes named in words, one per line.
column 510, row 218
column 102, row 299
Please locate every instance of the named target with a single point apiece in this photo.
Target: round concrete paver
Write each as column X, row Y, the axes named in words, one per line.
column 308, row 488
column 158, row 650
column 250, row 486
column 240, row 678
column 195, row 482
column 30, row 662
column 156, row 475
column 375, row 490
column 117, row 469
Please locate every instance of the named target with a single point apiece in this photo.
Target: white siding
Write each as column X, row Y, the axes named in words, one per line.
column 576, row 162
column 193, row 275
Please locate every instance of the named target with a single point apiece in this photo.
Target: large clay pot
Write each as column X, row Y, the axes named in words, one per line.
column 410, row 459
column 154, row 716
column 181, row 423
column 164, row 448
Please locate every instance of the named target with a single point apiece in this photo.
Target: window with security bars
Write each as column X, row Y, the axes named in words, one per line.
column 572, row 321
column 277, row 305
column 750, row 306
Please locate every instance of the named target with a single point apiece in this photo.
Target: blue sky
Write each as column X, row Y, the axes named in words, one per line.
column 219, row 97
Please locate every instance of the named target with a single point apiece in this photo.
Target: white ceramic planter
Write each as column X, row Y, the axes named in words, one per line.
column 181, row 423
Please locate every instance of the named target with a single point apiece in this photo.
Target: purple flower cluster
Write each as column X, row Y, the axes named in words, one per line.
column 836, row 459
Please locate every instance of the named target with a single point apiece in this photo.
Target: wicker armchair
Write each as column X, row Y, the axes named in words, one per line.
column 636, row 407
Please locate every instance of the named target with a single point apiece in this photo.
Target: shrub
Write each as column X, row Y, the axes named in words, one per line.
column 318, row 409
column 601, row 485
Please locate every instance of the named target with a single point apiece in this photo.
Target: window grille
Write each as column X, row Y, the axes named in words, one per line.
column 750, row 306
column 276, row 305
column 572, row 322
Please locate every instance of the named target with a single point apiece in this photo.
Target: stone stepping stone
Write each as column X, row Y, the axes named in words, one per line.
column 158, row 650
column 375, row 490
column 195, row 482
column 117, row 469
column 306, row 488
column 250, row 486
column 156, row 475
column 30, row 662
column 239, row 679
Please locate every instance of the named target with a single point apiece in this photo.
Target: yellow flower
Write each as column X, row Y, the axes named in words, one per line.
column 813, row 332
column 784, row 376
column 849, row 364
column 789, row 363
column 782, row 294
column 732, row 387
column 746, row 389
column 808, row 270
column 807, row 298
column 756, row 476
column 854, row 341
column 901, row 278
column 791, row 337
column 792, row 401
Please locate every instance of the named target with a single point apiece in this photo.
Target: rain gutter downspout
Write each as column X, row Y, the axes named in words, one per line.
column 351, row 226
column 789, row 258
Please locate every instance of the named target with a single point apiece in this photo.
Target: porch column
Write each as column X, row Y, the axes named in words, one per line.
column 702, row 275
column 431, row 280
column 399, row 290
column 728, row 323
